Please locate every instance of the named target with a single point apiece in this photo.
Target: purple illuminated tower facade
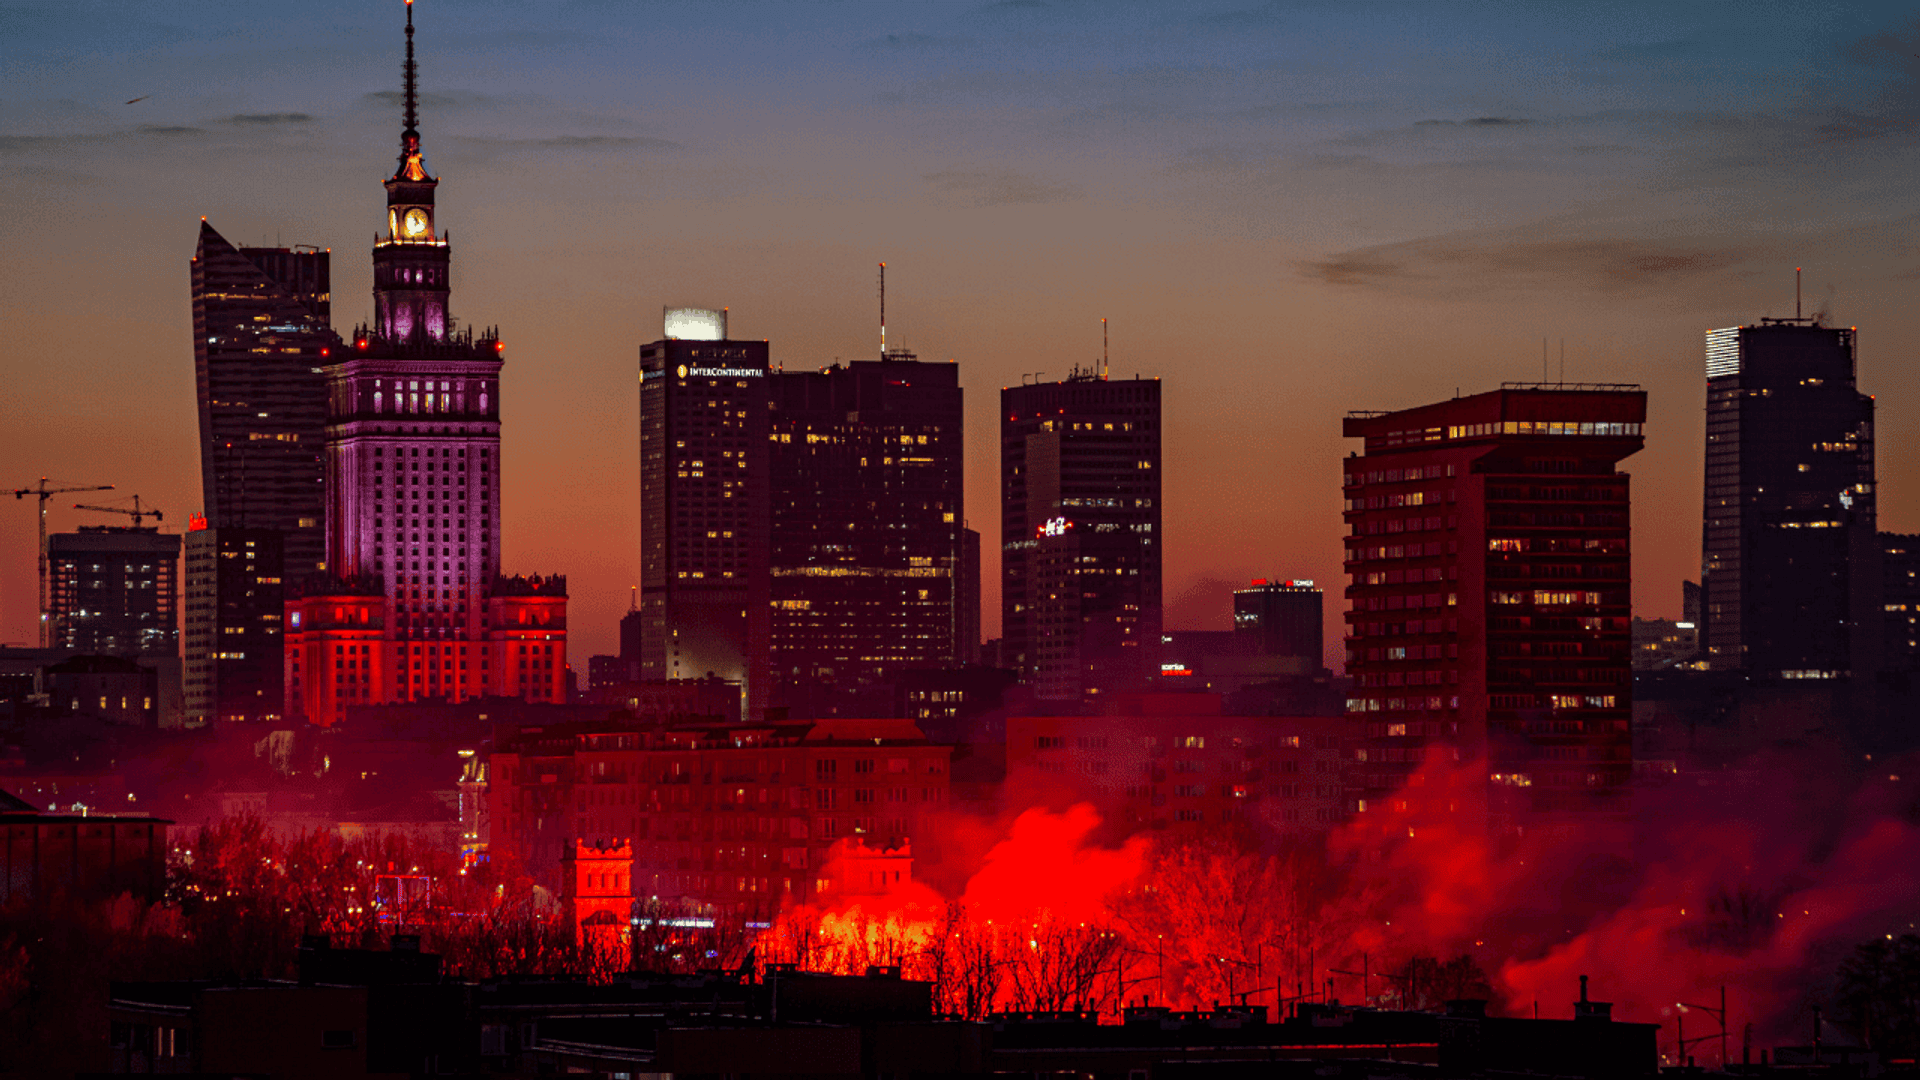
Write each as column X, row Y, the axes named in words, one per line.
column 413, row 496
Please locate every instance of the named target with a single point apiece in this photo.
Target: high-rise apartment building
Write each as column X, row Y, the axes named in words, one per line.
column 413, row 605
column 703, row 506
column 1488, row 554
column 235, row 609
column 261, row 331
column 1789, row 558
column 1080, row 532
column 115, row 590
column 867, row 529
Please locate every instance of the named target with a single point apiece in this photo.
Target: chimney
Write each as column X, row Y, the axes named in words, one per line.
column 1584, row 1009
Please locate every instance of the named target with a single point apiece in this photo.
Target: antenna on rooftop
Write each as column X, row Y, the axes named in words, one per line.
column 1796, row 293
column 883, row 311
column 1103, row 350
column 1563, row 361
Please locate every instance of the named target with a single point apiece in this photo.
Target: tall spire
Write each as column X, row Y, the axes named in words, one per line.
column 412, row 73
column 412, row 167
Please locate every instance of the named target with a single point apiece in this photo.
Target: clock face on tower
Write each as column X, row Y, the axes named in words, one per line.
column 415, row 223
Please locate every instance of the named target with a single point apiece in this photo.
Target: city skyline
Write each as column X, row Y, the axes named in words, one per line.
column 1273, row 237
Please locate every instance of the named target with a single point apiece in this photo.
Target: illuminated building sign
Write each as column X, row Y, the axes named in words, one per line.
column 1175, row 669
column 720, row 372
column 1055, row 527
column 695, row 324
column 196, row 522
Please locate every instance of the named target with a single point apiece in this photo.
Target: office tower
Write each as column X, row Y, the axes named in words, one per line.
column 1900, row 601
column 866, row 525
column 703, row 505
column 415, row 606
column 261, row 331
column 1080, row 532
column 1789, row 554
column 1490, row 598
column 235, row 605
column 1286, row 617
column 115, row 590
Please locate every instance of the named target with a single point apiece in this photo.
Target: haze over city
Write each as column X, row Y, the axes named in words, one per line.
column 1286, row 212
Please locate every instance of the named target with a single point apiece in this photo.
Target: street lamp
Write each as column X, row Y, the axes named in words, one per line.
column 1680, row 1027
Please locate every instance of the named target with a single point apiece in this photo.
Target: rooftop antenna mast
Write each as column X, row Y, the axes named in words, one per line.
column 1103, row 350
column 883, row 311
column 1796, row 294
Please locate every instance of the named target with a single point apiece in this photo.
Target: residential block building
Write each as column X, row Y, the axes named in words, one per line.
column 1488, row 554
column 723, row 818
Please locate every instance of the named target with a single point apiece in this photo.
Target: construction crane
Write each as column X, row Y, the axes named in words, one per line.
column 136, row 513
column 44, row 492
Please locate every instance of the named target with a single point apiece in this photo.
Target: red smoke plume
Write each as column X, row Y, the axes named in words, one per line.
column 1760, row 883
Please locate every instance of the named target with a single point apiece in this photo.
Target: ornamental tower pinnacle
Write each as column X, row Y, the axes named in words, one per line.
column 411, row 262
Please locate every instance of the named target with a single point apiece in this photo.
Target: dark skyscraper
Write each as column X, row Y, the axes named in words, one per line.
column 1790, row 558
column 703, row 505
column 1080, row 532
column 867, row 531
column 1488, row 611
column 1285, row 616
column 413, row 496
column 261, row 331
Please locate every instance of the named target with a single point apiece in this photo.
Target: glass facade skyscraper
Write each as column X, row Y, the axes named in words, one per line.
column 1789, row 555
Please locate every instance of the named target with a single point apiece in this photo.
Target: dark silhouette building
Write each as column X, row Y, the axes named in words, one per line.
column 115, row 590
column 1080, row 532
column 51, row 857
column 235, row 608
column 1286, row 617
column 867, row 527
column 1789, row 551
column 703, row 505
column 261, row 329
column 1488, row 554
column 413, row 605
